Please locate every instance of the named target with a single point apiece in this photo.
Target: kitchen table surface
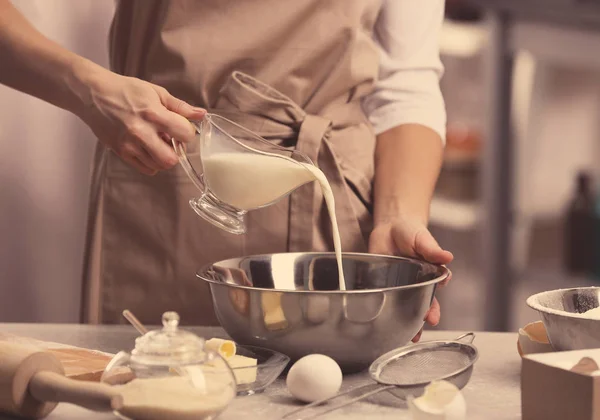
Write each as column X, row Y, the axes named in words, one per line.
column 493, row 392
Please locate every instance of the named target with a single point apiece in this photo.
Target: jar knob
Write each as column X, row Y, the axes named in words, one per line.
column 170, row 320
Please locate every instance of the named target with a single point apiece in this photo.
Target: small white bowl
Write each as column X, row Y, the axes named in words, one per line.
column 563, row 315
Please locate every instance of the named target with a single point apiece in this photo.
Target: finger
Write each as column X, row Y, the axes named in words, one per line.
column 432, row 318
column 161, row 153
column 138, row 165
column 402, row 237
column 132, row 152
column 434, row 314
column 171, row 123
column 180, row 107
column 144, row 157
column 418, row 336
column 135, row 150
column 427, row 247
column 445, row 282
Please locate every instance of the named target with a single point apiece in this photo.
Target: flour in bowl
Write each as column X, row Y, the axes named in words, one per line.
column 592, row 313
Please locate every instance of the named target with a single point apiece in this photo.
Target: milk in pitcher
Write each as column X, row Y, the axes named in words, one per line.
column 250, row 180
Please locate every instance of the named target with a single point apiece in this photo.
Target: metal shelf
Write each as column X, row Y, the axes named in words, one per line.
column 462, row 39
column 454, row 214
column 458, row 39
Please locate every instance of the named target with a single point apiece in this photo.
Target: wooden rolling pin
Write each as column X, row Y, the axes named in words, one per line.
column 32, row 383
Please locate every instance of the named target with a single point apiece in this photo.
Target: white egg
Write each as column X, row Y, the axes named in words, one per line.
column 314, row 377
column 442, row 400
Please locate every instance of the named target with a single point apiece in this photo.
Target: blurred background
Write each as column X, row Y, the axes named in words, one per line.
column 552, row 94
column 44, row 190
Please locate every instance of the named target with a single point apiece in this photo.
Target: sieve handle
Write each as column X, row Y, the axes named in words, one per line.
column 323, row 401
column 336, row 407
column 467, row 338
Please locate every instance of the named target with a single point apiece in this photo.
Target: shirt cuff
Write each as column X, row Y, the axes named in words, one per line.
column 395, row 114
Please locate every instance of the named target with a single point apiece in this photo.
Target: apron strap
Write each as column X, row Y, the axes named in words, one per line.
column 270, row 113
column 305, row 201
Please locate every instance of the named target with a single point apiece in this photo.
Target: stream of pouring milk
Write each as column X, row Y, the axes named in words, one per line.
column 250, row 180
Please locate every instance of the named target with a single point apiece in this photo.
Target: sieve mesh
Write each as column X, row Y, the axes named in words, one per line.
column 424, row 365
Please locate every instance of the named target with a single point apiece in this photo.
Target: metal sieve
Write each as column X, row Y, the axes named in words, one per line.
column 408, row 370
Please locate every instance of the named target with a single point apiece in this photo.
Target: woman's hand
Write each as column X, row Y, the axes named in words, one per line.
column 137, row 119
column 410, row 237
column 134, row 118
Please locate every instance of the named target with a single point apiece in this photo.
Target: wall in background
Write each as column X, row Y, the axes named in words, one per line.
column 568, row 139
column 45, row 156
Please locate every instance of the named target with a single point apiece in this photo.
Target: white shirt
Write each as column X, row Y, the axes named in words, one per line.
column 408, row 89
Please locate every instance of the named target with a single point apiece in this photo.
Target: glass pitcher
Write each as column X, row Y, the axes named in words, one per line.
column 236, row 171
column 171, row 363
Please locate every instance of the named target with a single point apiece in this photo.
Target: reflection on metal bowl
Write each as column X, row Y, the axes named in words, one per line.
column 291, row 303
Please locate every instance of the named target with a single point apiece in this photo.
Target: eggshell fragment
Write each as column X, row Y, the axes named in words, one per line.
column 225, row 348
column 533, row 339
column 442, row 400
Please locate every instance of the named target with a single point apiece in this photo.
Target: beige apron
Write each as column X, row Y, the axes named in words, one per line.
column 292, row 71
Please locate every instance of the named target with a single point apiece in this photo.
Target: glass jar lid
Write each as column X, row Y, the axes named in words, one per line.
column 169, row 345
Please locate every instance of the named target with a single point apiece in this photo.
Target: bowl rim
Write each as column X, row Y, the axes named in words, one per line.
column 445, row 274
column 533, row 303
column 284, row 357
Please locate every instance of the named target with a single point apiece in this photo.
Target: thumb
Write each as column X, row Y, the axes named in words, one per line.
column 428, row 248
column 381, row 243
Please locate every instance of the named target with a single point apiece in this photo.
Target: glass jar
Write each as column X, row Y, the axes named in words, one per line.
column 170, row 374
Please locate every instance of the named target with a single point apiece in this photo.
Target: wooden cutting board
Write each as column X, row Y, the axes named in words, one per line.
column 79, row 363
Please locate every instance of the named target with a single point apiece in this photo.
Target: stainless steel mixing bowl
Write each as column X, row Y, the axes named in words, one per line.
column 561, row 314
column 290, row 303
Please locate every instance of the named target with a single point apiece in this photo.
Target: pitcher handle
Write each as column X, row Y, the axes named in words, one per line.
column 179, row 148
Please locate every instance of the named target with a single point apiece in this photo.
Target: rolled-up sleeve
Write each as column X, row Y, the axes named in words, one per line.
column 408, row 88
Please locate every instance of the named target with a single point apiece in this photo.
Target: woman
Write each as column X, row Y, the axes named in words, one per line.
column 352, row 83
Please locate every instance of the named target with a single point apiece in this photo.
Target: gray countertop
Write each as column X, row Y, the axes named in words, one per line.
column 493, row 392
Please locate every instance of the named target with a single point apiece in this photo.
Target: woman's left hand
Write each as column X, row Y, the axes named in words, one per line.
column 410, row 237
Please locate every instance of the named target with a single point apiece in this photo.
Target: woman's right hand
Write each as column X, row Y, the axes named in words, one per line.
column 137, row 119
